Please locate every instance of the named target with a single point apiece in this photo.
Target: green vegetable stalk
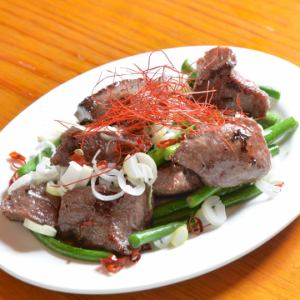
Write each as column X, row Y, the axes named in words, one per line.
column 140, row 238
column 70, row 251
column 30, row 166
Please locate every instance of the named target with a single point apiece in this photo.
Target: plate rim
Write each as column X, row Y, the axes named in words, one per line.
column 168, row 281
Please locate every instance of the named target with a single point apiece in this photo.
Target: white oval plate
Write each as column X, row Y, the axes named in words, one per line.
column 248, row 226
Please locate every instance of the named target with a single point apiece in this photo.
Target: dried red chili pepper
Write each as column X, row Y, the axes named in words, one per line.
column 166, row 143
column 195, row 225
column 78, row 159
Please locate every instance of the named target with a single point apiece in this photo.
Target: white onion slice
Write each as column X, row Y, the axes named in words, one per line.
column 214, row 211
column 131, row 168
column 140, row 166
column 148, row 160
column 71, row 176
column 200, row 216
column 94, row 160
column 163, row 242
column 45, row 171
column 22, row 181
column 84, row 176
column 110, row 176
column 127, row 188
column 162, row 133
column 83, row 114
column 147, row 173
column 44, row 145
column 54, row 189
column 180, row 235
column 102, row 197
column 267, row 187
column 158, row 131
column 42, row 229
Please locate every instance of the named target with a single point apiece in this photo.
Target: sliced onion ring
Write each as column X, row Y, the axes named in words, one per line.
column 147, row 160
column 127, row 188
column 163, row 242
column 102, row 197
column 42, row 229
column 131, row 167
column 214, row 211
column 54, row 189
column 180, row 235
column 22, row 181
column 267, row 187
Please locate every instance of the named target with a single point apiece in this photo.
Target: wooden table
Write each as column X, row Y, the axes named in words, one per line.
column 44, row 43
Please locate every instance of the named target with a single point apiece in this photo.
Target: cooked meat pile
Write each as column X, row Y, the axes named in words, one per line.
column 234, row 154
column 80, row 217
column 98, row 224
column 94, row 106
column 31, row 202
column 216, row 72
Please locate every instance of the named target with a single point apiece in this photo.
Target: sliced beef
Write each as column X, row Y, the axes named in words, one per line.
column 110, row 144
column 231, row 155
column 102, row 224
column 174, row 179
column 216, row 71
column 31, row 202
column 92, row 107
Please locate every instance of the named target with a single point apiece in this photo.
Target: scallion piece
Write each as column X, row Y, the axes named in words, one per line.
column 270, row 91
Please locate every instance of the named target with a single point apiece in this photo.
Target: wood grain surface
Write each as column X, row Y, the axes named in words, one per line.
column 44, row 43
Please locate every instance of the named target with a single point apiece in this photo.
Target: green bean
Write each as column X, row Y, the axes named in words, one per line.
column 70, row 251
column 240, row 196
column 32, row 163
column 270, row 91
column 180, row 204
column 274, row 150
column 280, row 128
column 225, row 191
column 169, row 207
column 168, row 151
column 158, row 155
column 179, row 215
column 187, row 68
column 269, row 120
column 161, row 155
column 201, row 195
column 140, row 238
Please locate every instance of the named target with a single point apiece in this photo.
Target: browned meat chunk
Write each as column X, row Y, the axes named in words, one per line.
column 31, row 202
column 102, row 224
column 215, row 71
column 92, row 107
column 174, row 179
column 110, row 143
column 234, row 154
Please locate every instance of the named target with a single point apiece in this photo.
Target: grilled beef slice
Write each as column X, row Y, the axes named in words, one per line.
column 98, row 224
column 108, row 142
column 234, row 154
column 216, row 71
column 31, row 202
column 94, row 106
column 174, row 179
